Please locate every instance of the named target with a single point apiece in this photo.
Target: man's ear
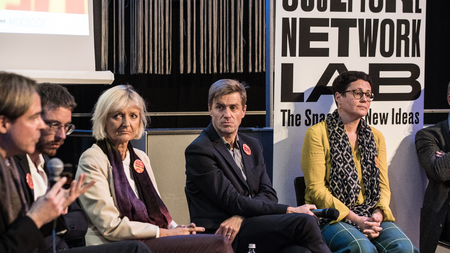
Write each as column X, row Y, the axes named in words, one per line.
column 337, row 96
column 4, row 124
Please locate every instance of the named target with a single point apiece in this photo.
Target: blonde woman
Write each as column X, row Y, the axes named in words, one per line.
column 125, row 204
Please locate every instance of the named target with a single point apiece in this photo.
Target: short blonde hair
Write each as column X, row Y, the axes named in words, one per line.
column 113, row 99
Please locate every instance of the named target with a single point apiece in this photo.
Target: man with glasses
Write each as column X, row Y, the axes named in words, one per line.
column 57, row 106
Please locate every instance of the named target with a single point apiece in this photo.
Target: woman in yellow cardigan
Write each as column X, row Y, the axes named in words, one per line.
column 345, row 167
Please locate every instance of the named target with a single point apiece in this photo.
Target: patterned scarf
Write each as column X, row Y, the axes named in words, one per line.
column 150, row 208
column 344, row 181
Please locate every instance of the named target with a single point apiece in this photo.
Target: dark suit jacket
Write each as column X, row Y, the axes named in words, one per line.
column 215, row 188
column 74, row 221
column 436, row 201
column 21, row 235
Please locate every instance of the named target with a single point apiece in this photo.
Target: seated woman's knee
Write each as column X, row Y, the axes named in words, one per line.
column 365, row 246
column 400, row 245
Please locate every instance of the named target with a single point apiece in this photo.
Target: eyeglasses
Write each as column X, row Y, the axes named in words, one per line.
column 55, row 126
column 358, row 94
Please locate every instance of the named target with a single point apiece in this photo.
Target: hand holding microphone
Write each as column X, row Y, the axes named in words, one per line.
column 55, row 167
column 329, row 213
column 310, row 209
column 48, row 207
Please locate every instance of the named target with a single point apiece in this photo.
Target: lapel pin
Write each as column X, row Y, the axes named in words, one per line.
column 30, row 181
column 138, row 166
column 247, row 149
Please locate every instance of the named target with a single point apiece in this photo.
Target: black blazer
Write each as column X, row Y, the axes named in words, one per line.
column 215, row 188
column 21, row 235
column 436, row 202
column 75, row 221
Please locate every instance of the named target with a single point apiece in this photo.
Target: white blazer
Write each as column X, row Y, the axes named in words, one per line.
column 106, row 223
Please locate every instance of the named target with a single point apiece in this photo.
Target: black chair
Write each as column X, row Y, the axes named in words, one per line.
column 300, row 186
column 444, row 244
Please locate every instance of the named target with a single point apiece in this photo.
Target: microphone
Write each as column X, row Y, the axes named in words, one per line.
column 55, row 167
column 329, row 213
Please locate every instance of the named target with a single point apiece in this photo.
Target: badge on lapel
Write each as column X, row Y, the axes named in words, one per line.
column 247, row 149
column 138, row 166
column 30, row 181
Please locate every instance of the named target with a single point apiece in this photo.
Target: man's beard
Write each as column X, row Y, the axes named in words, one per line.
column 48, row 151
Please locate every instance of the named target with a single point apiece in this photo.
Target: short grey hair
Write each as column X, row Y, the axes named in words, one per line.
column 113, row 99
column 227, row 86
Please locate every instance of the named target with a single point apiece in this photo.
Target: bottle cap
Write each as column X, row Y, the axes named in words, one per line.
column 252, row 246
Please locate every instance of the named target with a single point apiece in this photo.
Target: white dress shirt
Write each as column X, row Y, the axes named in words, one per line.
column 39, row 177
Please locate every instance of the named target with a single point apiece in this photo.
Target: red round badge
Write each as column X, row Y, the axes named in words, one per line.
column 247, row 149
column 30, row 181
column 138, row 166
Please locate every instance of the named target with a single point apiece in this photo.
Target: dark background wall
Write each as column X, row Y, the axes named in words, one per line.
column 174, row 93
column 437, row 58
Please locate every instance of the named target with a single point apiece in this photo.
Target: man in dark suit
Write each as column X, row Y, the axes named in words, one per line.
column 433, row 151
column 57, row 106
column 229, row 191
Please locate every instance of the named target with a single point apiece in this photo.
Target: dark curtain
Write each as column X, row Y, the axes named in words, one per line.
column 177, row 91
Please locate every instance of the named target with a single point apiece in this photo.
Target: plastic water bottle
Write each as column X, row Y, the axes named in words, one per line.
column 251, row 248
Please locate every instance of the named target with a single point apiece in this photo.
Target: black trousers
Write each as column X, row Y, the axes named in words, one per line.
column 445, row 236
column 292, row 233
